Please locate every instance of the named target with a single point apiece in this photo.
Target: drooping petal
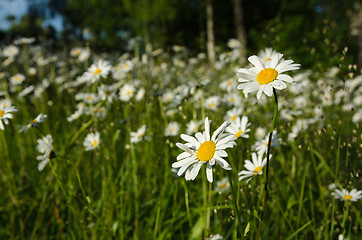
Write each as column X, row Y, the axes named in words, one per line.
column 209, row 173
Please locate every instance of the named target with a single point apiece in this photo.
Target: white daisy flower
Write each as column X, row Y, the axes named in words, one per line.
column 203, row 149
column 222, row 185
column 192, row 126
column 263, row 77
column 212, row 102
column 33, row 123
column 106, row 93
column 233, row 43
column 266, row 54
column 172, row 129
column 126, row 92
column 233, row 99
column 228, row 85
column 5, row 114
column 239, row 127
column 139, row 135
column 261, row 146
column 97, row 70
column 345, row 195
column 233, row 114
column 17, row 79
column 91, row 141
column 254, row 167
column 10, row 51
column 45, row 147
column 140, row 94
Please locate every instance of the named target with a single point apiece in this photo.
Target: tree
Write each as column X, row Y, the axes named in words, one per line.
column 210, row 32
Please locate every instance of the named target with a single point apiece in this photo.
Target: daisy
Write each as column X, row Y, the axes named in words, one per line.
column 345, row 195
column 266, row 54
column 10, row 51
column 97, row 70
column 239, row 127
column 203, row 149
column 233, row 99
column 33, row 123
column 17, row 79
column 172, row 129
column 265, row 76
column 254, row 167
column 91, row 141
column 45, row 147
column 261, row 146
column 139, row 135
column 212, row 102
column 5, row 114
column 223, row 185
column 126, row 92
column 233, row 114
column 192, row 127
column 106, row 93
column 233, row 43
column 228, row 85
column 140, row 94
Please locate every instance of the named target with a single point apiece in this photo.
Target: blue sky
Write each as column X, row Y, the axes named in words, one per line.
column 19, row 8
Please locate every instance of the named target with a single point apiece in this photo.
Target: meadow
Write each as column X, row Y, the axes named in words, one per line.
column 97, row 163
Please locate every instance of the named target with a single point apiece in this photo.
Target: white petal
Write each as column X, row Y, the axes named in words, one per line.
column 256, row 62
column 209, row 173
column 285, row 78
column 220, row 129
column 191, row 140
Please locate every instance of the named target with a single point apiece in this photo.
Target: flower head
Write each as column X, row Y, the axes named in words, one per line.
column 139, row 135
column 254, row 167
column 261, row 146
column 33, row 123
column 203, row 149
column 5, row 114
column 239, row 127
column 91, row 141
column 45, row 147
column 265, row 76
column 345, row 195
column 97, row 70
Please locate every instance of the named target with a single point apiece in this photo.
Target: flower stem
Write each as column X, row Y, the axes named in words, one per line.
column 234, row 202
column 266, row 192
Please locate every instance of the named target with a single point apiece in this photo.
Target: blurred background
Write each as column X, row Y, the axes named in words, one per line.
column 314, row 32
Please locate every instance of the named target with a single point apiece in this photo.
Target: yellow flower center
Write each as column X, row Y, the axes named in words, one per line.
column 95, row 143
column 266, row 76
column 128, row 92
column 223, row 185
column 232, row 99
column 238, row 134
column 97, row 71
column 268, row 59
column 32, row 123
column 17, row 79
column 2, row 113
column 230, row 83
column 266, row 144
column 125, row 66
column 211, row 105
column 206, row 151
column 233, row 118
column 257, row 170
column 347, row 197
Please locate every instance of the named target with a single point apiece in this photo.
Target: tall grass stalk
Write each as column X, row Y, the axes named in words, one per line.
column 266, row 191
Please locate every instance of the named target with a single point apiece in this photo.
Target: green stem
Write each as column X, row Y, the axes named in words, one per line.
column 345, row 216
column 266, row 192
column 234, row 202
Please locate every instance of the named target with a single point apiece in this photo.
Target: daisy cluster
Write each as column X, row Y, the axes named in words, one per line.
column 159, row 106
